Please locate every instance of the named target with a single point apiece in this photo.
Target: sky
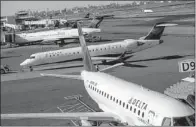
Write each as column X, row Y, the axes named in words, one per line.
column 11, row 7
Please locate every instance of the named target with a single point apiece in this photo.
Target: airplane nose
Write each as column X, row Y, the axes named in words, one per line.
column 24, row 63
column 161, row 41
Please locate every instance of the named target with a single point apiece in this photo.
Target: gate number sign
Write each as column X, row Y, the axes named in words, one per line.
column 187, row 65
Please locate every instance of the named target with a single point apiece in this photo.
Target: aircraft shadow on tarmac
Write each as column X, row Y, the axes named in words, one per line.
column 128, row 63
column 4, row 57
column 171, row 57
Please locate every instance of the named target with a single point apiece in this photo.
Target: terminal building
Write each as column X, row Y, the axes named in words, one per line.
column 22, row 16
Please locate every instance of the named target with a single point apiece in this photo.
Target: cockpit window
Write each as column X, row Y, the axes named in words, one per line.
column 166, row 122
column 184, row 121
column 32, row 57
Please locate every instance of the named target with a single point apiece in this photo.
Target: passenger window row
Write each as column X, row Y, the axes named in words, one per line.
column 70, row 53
column 126, row 106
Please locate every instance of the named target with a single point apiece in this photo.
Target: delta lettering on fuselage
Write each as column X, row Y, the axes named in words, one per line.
column 138, row 103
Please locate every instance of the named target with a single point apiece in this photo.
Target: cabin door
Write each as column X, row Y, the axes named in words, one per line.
column 151, row 116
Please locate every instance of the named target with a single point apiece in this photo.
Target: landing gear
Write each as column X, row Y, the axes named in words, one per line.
column 92, row 39
column 31, row 68
column 97, row 67
column 104, row 61
column 62, row 43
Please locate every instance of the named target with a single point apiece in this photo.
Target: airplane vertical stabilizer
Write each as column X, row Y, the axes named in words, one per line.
column 95, row 23
column 157, row 31
column 87, row 15
column 88, row 65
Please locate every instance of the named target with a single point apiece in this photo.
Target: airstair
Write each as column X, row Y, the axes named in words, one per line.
column 183, row 90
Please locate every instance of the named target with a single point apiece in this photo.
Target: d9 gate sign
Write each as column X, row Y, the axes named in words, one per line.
column 187, row 65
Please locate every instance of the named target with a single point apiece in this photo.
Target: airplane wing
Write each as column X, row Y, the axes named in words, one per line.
column 104, row 58
column 111, row 67
column 78, row 77
column 58, row 38
column 50, row 39
column 94, row 116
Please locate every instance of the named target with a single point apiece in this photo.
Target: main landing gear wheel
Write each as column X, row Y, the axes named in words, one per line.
column 31, row 68
column 97, row 67
column 104, row 61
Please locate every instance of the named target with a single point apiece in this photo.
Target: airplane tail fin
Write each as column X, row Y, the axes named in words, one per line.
column 87, row 15
column 88, row 65
column 157, row 31
column 95, row 23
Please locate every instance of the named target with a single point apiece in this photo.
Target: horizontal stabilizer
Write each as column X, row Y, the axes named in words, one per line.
column 167, row 24
column 111, row 67
column 103, row 116
column 78, row 77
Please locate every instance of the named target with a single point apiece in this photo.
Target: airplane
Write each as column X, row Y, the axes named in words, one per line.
column 87, row 16
column 103, row 52
column 121, row 101
column 55, row 35
column 71, row 21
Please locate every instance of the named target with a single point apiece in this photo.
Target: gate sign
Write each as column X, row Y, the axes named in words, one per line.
column 187, row 65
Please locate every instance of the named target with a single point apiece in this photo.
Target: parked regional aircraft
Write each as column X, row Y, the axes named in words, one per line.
column 69, row 22
column 121, row 101
column 53, row 35
column 110, row 51
column 87, row 16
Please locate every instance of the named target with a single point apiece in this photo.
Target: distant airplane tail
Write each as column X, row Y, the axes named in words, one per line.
column 157, row 31
column 88, row 65
column 95, row 23
column 87, row 15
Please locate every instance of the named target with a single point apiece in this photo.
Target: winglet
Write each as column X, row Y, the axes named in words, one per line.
column 88, row 65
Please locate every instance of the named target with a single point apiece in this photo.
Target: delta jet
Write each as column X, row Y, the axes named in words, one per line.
column 104, row 52
column 56, row 35
column 71, row 21
column 121, row 101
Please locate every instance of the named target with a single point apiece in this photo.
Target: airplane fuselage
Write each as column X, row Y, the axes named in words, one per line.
column 52, row 35
column 133, row 103
column 128, row 46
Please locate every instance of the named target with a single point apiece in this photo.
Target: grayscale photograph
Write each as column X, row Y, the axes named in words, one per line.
column 98, row 63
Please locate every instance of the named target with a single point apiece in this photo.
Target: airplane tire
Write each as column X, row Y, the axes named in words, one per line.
column 60, row 45
column 31, row 68
column 104, row 61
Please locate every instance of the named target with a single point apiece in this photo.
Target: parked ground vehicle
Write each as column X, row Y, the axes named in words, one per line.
column 4, row 69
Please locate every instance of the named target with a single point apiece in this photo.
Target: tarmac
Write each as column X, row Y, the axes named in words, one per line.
column 29, row 92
